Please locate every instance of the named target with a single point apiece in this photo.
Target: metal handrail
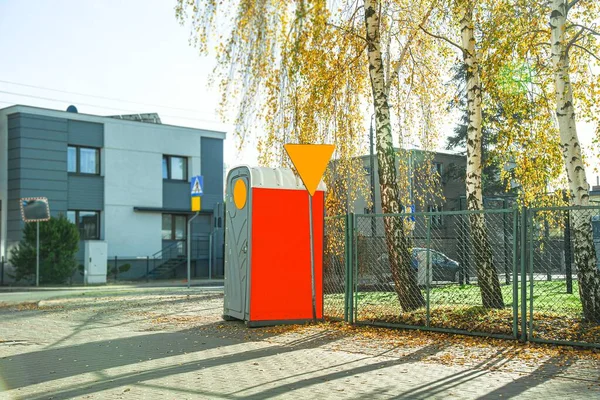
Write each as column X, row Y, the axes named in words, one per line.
column 159, row 258
column 177, row 243
column 164, row 249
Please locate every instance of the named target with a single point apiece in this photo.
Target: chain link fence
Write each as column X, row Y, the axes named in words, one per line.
column 334, row 268
column 554, row 297
column 443, row 256
column 502, row 272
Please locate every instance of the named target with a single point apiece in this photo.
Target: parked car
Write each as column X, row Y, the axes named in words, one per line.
column 443, row 268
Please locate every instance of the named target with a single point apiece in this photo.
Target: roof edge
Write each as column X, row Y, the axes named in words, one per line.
column 48, row 112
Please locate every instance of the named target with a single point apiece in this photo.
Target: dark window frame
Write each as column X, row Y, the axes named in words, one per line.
column 79, row 228
column 78, row 160
column 437, row 221
column 174, row 227
column 169, row 177
column 438, row 167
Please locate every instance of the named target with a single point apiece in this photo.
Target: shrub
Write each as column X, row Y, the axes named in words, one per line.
column 112, row 271
column 59, row 242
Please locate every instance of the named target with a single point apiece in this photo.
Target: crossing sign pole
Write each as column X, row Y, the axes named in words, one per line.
column 196, row 191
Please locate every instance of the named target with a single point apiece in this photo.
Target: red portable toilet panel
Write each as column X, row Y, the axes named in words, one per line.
column 280, row 278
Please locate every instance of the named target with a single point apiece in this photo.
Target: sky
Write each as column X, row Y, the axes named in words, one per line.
column 134, row 53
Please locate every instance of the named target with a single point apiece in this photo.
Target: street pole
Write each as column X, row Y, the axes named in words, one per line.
column 189, row 249
column 37, row 255
column 372, row 177
column 312, row 259
column 210, row 255
column 567, row 245
column 410, row 178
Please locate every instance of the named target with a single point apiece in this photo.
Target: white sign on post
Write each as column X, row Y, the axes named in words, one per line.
column 35, row 209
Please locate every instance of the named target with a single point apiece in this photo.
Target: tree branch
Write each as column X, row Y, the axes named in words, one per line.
column 573, row 40
column 348, row 31
column 572, row 4
column 396, row 71
column 587, row 28
column 441, row 37
column 587, row 51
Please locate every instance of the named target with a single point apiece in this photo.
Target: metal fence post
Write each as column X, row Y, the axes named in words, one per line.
column 567, row 248
column 506, row 245
column 515, row 273
column 210, row 255
column 346, row 266
column 2, row 272
column 523, row 275
column 116, row 269
column 427, row 271
column 351, row 269
column 147, row 268
column 531, row 282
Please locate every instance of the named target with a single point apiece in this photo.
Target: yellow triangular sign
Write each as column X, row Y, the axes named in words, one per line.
column 310, row 161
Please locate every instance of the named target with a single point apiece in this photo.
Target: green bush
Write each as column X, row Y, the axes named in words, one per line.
column 59, row 242
column 112, row 271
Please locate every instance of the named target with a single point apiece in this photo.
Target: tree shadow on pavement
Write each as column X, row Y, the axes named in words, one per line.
column 103, row 303
column 43, row 366
column 96, row 321
column 415, row 356
column 164, row 346
column 551, row 368
column 441, row 386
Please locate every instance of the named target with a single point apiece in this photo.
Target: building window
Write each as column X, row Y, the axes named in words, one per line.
column 174, row 167
column 72, row 159
column 439, row 168
column 436, row 220
column 174, row 227
column 83, row 160
column 88, row 223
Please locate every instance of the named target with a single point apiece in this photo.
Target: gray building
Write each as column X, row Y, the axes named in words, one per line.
column 448, row 234
column 444, row 170
column 122, row 180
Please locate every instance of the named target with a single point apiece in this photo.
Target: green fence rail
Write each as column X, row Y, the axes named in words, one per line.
column 534, row 294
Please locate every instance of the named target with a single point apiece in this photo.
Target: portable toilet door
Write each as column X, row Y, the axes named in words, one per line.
column 237, row 244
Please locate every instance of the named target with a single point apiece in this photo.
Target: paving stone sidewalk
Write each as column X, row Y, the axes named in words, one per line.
column 175, row 346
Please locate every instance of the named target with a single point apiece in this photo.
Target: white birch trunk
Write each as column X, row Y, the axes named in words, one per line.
column 584, row 251
column 405, row 280
column 489, row 284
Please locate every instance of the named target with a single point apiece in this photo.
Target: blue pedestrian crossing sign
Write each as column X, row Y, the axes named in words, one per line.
column 410, row 211
column 197, row 186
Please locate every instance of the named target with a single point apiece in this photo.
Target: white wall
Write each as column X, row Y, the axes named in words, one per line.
column 3, row 180
column 133, row 178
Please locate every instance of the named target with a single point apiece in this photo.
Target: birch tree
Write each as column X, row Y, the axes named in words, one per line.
column 307, row 70
column 557, row 42
column 562, row 43
column 487, row 277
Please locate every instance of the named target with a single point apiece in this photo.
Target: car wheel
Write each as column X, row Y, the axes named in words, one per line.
column 457, row 277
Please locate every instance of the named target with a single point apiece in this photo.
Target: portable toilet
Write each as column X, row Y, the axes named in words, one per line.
column 267, row 247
